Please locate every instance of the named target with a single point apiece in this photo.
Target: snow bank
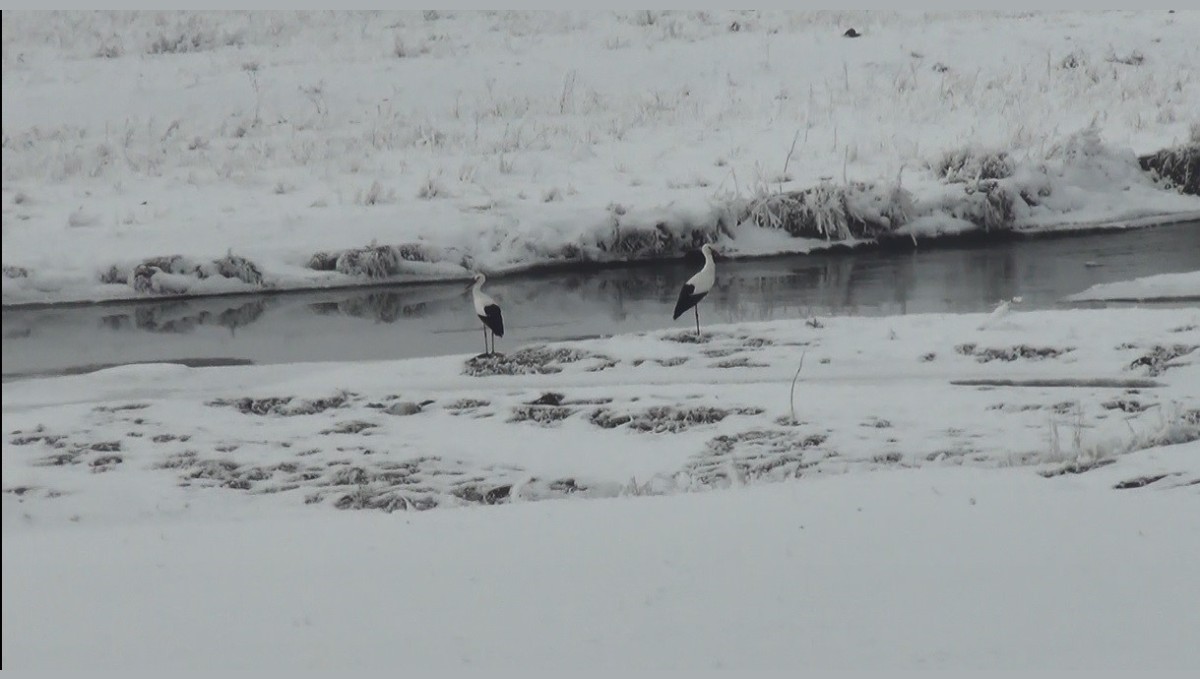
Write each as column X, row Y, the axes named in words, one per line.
column 1169, row 286
column 337, row 148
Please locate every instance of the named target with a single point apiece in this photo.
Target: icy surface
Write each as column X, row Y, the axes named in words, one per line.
column 1161, row 287
column 184, row 154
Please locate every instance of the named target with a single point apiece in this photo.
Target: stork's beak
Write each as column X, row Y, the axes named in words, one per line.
column 469, row 285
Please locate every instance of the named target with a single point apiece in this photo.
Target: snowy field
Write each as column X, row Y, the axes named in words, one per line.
column 153, row 154
column 1005, row 490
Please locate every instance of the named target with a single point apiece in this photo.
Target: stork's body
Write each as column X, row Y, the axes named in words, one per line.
column 488, row 312
column 697, row 287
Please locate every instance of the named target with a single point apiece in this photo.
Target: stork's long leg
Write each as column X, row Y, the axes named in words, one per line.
column 493, row 349
column 697, row 308
column 485, row 339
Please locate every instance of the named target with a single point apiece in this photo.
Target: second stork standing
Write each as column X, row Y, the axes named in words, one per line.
column 697, row 287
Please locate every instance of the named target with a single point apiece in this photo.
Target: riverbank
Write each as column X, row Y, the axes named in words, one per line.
column 196, row 154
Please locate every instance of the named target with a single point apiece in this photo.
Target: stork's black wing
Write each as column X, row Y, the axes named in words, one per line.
column 493, row 320
column 687, row 299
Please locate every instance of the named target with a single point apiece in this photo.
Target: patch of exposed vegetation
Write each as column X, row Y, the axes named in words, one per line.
column 374, row 261
column 739, row 362
column 118, row 408
column 1127, row 405
column 1020, row 351
column 833, row 212
column 545, row 415
column 1140, row 482
column 285, row 405
column 1115, row 383
column 1076, row 467
column 467, row 404
column 1159, row 358
column 759, row 454
column 973, row 165
column 1176, row 168
column 144, row 276
column 664, row 419
column 536, row 360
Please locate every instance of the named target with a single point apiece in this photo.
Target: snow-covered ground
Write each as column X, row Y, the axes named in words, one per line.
column 984, row 490
column 1167, row 286
column 240, row 150
column 922, row 569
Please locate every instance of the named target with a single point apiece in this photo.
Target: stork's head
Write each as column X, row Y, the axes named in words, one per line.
column 707, row 249
column 477, row 279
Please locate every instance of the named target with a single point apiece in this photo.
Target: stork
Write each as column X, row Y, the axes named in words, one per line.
column 697, row 287
column 488, row 312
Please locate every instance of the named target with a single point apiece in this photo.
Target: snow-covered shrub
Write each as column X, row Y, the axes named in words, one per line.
column 170, row 274
column 375, row 195
column 990, row 204
column 374, row 261
column 833, row 212
column 232, row 266
column 1176, row 168
column 661, row 240
column 973, row 164
column 431, row 188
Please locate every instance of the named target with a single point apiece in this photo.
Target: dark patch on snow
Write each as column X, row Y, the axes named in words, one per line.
column 739, row 362
column 1116, row 383
column 1020, row 351
column 1158, row 359
column 545, row 415
column 1077, row 467
column 664, row 419
column 1127, row 405
column 1176, row 168
column 284, row 405
column 1140, row 482
column 537, row 360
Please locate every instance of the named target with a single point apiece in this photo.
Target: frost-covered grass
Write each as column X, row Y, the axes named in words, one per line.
column 504, row 140
column 633, row 503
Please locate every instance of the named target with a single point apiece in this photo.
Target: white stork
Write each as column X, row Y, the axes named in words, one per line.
column 488, row 312
column 697, row 287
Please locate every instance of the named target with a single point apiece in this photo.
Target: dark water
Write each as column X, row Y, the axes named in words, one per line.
column 429, row 320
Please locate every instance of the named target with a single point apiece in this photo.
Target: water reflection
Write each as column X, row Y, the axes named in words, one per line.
column 424, row 320
column 183, row 316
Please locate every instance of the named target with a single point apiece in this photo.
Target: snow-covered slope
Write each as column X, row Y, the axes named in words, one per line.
column 229, row 151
